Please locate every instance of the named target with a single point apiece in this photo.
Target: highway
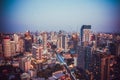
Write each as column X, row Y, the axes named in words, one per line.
column 61, row 60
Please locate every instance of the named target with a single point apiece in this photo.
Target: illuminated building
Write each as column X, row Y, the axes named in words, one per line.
column 7, row 46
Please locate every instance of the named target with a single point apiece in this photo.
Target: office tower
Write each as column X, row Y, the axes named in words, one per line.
column 88, row 57
column 84, row 57
column 7, row 46
column 28, row 42
column 85, row 34
column 13, row 48
column 37, row 52
column 96, row 66
column 81, row 57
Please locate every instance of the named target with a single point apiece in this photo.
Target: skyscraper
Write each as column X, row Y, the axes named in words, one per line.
column 85, row 34
column 81, row 57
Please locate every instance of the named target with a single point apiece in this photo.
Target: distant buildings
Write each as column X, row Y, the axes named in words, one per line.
column 92, row 56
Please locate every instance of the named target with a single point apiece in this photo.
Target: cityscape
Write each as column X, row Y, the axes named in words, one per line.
column 83, row 55
column 59, row 39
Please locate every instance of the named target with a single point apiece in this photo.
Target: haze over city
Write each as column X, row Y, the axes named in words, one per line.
column 59, row 39
column 55, row 15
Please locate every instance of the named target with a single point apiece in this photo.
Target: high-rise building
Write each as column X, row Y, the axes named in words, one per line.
column 25, row 64
column 62, row 42
column 13, row 48
column 85, row 34
column 102, row 65
column 84, row 57
column 7, row 46
column 44, row 37
column 59, row 44
column 37, row 52
column 81, row 57
column 16, row 38
column 28, row 42
column 106, row 63
column 20, row 45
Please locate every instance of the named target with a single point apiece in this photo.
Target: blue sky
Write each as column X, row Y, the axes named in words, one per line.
column 55, row 15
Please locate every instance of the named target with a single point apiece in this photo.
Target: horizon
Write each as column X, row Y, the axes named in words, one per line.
column 52, row 15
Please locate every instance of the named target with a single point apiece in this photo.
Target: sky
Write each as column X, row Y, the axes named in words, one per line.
column 55, row 15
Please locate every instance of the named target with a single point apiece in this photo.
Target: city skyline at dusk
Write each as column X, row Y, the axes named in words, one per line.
column 52, row 15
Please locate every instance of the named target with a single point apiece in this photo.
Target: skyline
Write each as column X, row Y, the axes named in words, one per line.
column 52, row 15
